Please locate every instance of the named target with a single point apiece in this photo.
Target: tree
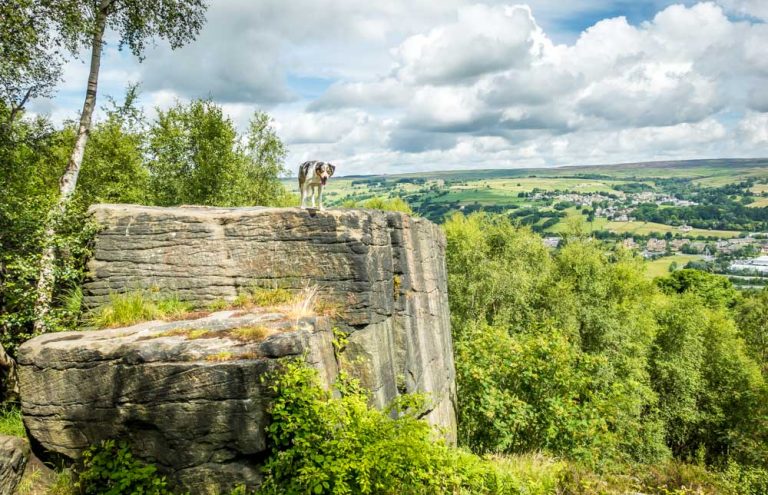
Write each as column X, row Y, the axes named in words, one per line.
column 198, row 157
column 30, row 62
column 82, row 23
column 113, row 168
column 752, row 319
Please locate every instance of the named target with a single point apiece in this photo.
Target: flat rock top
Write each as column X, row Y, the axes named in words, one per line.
column 220, row 336
column 209, row 212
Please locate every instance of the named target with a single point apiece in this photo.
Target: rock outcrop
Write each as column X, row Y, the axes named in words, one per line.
column 188, row 394
column 14, row 453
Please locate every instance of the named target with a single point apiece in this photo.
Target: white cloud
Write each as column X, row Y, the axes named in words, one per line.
column 754, row 8
column 417, row 84
column 754, row 128
column 484, row 39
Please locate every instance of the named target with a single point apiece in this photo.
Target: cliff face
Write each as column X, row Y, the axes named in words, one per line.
column 384, row 271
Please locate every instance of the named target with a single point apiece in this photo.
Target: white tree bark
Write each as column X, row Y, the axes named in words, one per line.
column 68, row 181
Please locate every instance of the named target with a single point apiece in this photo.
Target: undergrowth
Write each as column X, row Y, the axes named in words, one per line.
column 10, row 422
column 135, row 307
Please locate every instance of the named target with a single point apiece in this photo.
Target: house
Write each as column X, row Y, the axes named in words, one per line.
column 656, row 245
column 551, row 242
column 677, row 244
column 630, row 243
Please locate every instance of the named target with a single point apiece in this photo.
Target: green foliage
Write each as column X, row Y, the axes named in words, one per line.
column 198, row 157
column 113, row 169
column 117, row 167
column 326, row 444
column 752, row 320
column 29, row 64
column 550, row 348
column 11, row 423
column 575, row 353
column 134, row 307
column 391, row 204
column 111, row 469
column 714, row 290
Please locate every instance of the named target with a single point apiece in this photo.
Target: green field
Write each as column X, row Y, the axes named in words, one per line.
column 660, row 266
column 436, row 194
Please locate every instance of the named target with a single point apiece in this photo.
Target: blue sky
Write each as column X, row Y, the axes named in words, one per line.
column 410, row 85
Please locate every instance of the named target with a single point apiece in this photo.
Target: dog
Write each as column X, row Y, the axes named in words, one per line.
column 313, row 176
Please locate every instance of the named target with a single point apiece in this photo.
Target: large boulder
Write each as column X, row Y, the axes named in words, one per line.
column 196, row 405
column 14, row 453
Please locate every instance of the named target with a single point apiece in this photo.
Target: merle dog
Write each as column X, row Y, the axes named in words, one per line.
column 312, row 178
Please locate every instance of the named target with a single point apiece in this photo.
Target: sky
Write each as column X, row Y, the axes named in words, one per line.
column 417, row 85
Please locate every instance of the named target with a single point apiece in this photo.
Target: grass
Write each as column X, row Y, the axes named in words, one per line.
column 660, row 266
column 244, row 334
column 135, row 307
column 11, row 423
column 295, row 305
column 392, row 204
column 638, row 228
column 221, row 356
column 760, row 203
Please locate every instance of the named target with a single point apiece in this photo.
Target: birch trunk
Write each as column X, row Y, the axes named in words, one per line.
column 69, row 179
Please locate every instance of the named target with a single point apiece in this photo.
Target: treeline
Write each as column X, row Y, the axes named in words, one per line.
column 722, row 208
column 575, row 353
column 723, row 216
column 188, row 154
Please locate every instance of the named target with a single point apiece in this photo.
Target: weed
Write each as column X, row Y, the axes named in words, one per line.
column 134, row 307
column 255, row 333
column 11, row 423
column 219, row 305
column 221, row 356
column 270, row 297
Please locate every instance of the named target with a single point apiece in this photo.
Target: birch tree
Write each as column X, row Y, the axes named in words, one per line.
column 82, row 24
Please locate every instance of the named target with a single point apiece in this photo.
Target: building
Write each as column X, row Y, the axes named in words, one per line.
column 630, row 243
column 677, row 244
column 551, row 242
column 656, row 245
column 758, row 265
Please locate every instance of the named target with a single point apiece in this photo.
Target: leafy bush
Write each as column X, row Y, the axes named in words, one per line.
column 111, row 469
column 326, row 444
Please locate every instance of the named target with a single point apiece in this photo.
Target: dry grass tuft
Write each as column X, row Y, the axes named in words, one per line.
column 221, row 356
column 251, row 334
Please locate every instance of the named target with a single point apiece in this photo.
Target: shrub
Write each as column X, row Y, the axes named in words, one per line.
column 111, row 469
column 321, row 443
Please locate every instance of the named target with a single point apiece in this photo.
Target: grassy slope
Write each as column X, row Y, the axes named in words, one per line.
column 660, row 266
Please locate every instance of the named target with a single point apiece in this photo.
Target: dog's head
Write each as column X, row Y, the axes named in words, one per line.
column 324, row 171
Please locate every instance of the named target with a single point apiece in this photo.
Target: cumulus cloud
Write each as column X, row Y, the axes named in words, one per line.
column 418, row 84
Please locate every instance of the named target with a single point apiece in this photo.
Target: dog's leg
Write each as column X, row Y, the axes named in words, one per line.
column 320, row 196
column 303, row 192
column 314, row 195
